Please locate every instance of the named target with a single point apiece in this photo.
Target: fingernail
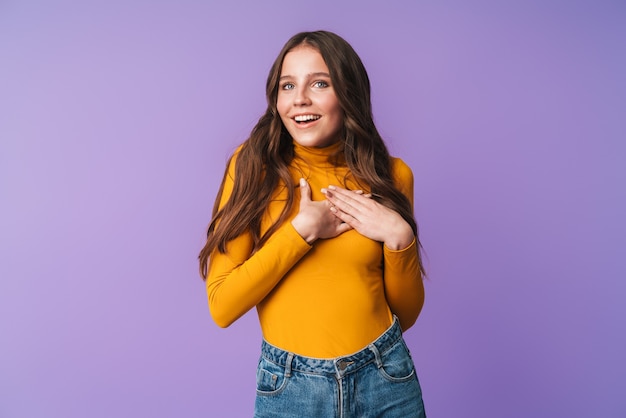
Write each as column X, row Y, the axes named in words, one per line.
column 302, row 182
column 331, row 187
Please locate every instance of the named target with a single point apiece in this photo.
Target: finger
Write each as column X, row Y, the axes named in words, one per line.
column 344, row 216
column 343, row 227
column 305, row 191
column 344, row 199
column 362, row 193
column 344, row 193
column 352, row 197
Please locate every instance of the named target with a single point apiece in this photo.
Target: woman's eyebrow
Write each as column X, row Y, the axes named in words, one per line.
column 317, row 74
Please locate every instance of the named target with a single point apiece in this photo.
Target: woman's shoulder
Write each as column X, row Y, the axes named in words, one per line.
column 401, row 170
column 232, row 160
column 402, row 177
column 237, row 151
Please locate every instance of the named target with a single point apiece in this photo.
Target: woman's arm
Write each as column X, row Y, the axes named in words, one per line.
column 404, row 287
column 237, row 281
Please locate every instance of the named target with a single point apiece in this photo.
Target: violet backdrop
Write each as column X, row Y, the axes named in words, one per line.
column 117, row 117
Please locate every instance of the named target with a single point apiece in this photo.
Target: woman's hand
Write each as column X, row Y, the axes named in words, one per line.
column 314, row 219
column 369, row 218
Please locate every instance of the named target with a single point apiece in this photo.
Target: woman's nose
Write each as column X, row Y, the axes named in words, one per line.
column 302, row 97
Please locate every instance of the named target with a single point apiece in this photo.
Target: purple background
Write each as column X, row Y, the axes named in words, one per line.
column 116, row 118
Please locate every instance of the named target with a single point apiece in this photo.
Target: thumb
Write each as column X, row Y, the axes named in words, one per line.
column 305, row 191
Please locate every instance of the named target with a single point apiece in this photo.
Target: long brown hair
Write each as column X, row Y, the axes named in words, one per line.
column 262, row 163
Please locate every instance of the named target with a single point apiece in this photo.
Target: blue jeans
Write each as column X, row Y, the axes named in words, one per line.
column 378, row 381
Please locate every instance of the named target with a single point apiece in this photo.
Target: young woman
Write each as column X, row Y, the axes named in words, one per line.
column 313, row 225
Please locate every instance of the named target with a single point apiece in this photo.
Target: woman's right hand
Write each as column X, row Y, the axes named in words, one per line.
column 314, row 219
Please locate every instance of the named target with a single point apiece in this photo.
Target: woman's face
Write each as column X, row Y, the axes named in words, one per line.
column 306, row 102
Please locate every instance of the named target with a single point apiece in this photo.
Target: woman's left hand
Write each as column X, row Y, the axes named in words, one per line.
column 369, row 218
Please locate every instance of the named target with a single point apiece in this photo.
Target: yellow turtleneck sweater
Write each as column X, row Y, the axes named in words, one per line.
column 324, row 300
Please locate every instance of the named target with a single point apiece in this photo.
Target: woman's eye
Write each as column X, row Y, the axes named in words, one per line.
column 287, row 86
column 320, row 84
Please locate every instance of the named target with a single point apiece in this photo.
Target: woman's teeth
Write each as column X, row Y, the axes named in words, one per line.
column 306, row 118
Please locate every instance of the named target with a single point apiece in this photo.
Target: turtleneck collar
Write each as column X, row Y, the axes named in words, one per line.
column 316, row 156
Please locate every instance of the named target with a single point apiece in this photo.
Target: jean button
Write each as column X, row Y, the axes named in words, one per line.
column 343, row 364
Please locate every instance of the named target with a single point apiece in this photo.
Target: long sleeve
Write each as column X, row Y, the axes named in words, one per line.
column 238, row 281
column 404, row 288
column 234, row 285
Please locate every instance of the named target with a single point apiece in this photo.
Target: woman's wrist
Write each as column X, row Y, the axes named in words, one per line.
column 301, row 228
column 400, row 239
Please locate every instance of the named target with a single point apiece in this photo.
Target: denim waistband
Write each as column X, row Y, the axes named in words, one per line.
column 337, row 366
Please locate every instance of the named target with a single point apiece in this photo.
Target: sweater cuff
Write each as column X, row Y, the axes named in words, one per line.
column 409, row 247
column 289, row 236
column 401, row 260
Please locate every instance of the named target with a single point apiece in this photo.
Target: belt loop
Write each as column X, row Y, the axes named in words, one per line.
column 374, row 350
column 288, row 365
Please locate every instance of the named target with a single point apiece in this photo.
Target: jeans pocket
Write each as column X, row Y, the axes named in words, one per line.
column 397, row 364
column 270, row 377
